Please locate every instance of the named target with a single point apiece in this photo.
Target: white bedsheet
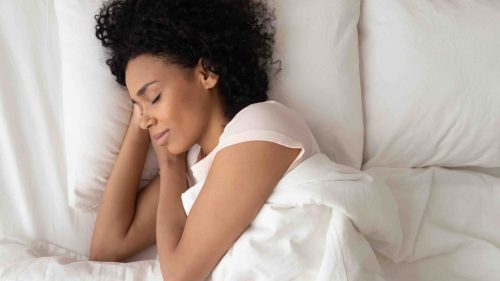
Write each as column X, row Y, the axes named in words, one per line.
column 33, row 176
column 22, row 259
column 450, row 220
column 312, row 227
column 33, row 192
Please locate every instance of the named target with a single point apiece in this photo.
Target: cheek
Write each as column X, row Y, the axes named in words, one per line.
column 186, row 131
column 191, row 124
column 188, row 116
column 169, row 112
column 194, row 125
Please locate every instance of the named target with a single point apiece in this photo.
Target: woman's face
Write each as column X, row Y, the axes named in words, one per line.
column 171, row 99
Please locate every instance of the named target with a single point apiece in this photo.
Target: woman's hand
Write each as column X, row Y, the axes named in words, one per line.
column 134, row 125
column 173, row 168
column 135, row 119
column 168, row 162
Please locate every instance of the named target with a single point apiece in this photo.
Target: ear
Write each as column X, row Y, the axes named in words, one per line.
column 207, row 78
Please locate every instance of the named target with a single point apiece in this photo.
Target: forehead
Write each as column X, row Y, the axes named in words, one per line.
column 147, row 68
column 144, row 69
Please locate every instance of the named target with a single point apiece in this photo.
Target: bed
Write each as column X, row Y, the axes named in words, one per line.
column 407, row 92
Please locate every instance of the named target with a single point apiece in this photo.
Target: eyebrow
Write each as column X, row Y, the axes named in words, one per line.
column 143, row 89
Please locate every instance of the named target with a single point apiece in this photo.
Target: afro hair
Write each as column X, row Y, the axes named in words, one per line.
column 233, row 38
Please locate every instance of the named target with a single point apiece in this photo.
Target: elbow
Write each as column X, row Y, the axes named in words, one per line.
column 103, row 254
column 169, row 274
column 98, row 256
column 172, row 277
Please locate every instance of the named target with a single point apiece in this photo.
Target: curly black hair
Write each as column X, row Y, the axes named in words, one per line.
column 233, row 38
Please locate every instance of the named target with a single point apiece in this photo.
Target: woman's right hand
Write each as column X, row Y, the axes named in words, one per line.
column 135, row 121
column 136, row 115
column 126, row 220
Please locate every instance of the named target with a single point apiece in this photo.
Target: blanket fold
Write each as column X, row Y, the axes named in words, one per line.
column 317, row 225
column 323, row 221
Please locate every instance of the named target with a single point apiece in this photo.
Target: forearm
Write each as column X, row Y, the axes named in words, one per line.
column 117, row 206
column 171, row 219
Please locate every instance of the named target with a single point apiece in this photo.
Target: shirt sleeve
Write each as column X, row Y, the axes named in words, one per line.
column 273, row 122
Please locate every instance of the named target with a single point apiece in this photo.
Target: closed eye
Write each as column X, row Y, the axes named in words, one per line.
column 156, row 99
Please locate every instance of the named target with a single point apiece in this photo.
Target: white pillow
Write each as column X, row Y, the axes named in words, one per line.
column 430, row 75
column 317, row 42
column 96, row 108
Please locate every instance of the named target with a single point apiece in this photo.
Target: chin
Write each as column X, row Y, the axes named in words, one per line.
column 178, row 149
column 174, row 149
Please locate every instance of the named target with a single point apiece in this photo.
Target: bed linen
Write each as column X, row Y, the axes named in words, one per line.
column 431, row 93
column 30, row 260
column 33, row 174
column 325, row 68
column 312, row 227
column 33, row 179
column 96, row 109
column 448, row 220
column 448, row 217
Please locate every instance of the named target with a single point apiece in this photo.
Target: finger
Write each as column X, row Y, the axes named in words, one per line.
column 137, row 110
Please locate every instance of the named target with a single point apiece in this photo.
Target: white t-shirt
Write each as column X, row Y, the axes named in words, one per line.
column 266, row 121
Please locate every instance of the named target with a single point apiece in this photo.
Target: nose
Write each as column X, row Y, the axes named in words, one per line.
column 146, row 121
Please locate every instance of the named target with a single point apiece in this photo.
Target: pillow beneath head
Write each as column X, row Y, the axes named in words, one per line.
column 430, row 75
column 96, row 108
column 317, row 43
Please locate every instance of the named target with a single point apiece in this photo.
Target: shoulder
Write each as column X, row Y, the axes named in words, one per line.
column 260, row 136
column 263, row 113
column 270, row 116
column 247, row 159
column 252, row 169
column 241, row 179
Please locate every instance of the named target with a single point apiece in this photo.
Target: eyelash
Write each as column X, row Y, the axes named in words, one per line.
column 156, row 99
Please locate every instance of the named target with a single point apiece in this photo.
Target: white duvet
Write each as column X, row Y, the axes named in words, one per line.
column 312, row 227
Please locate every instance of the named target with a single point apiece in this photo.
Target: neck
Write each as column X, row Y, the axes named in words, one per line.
column 215, row 126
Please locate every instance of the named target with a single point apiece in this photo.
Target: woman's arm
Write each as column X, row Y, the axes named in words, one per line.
column 239, row 182
column 126, row 222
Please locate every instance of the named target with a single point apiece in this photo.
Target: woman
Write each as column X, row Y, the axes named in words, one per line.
column 196, row 71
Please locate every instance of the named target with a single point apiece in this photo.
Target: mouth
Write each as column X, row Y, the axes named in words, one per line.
column 160, row 134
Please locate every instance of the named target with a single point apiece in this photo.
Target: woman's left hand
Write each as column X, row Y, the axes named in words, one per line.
column 168, row 162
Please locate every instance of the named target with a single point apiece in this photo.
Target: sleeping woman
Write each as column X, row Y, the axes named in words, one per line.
column 197, row 74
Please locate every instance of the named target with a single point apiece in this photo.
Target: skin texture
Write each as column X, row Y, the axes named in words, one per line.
column 126, row 221
column 233, row 39
column 239, row 182
column 190, row 247
column 189, row 104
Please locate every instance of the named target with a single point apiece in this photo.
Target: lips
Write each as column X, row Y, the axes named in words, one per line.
column 157, row 136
